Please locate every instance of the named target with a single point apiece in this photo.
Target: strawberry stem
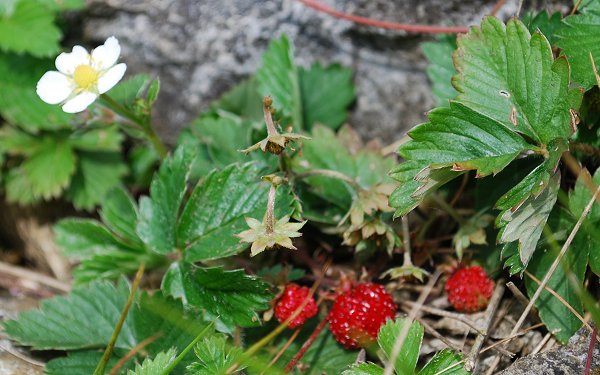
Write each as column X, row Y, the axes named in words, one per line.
column 294, row 361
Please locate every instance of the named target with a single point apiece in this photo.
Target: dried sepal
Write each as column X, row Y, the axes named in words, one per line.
column 262, row 239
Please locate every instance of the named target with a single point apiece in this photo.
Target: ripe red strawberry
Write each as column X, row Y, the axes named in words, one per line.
column 469, row 289
column 357, row 315
column 293, row 296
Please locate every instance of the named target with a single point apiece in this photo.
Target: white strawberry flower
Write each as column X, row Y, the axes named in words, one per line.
column 81, row 76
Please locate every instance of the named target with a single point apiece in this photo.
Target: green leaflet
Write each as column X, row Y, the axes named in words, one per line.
column 230, row 297
column 525, row 225
column 441, row 68
column 511, row 77
column 29, row 28
column 406, row 362
column 214, row 357
column 555, row 315
column 154, row 366
column 579, row 36
column 306, row 96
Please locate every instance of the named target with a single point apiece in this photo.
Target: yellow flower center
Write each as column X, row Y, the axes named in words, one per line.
column 85, row 77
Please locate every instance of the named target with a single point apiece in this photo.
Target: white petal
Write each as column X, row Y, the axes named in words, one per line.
column 106, row 55
column 67, row 62
column 80, row 102
column 54, row 87
column 111, row 77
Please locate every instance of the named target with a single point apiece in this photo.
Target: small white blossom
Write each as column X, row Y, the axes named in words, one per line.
column 82, row 76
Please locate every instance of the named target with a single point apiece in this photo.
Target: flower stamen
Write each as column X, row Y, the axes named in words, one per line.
column 85, row 77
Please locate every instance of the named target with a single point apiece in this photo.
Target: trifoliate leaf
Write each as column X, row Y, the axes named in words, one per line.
column 406, row 361
column 232, row 297
column 509, row 76
column 215, row 356
column 19, row 103
column 363, row 368
column 159, row 212
column 82, row 362
column 217, row 210
column 441, row 68
column 525, row 225
column 97, row 173
column 579, row 37
column 278, row 78
column 544, row 22
column 29, row 28
column 558, row 318
column 155, row 366
column 445, row 362
column 326, row 94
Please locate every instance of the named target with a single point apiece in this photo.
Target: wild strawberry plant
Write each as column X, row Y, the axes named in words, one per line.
column 271, row 167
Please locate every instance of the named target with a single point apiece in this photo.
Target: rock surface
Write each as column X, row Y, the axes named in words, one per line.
column 565, row 360
column 201, row 48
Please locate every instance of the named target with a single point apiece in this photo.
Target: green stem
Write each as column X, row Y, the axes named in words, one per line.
column 332, row 174
column 113, row 339
column 447, row 208
column 187, row 349
column 144, row 126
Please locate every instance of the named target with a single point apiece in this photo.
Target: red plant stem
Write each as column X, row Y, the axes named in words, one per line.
column 425, row 29
column 313, row 336
column 497, row 7
column 590, row 353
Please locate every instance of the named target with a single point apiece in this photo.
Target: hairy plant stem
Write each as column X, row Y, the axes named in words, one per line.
column 406, row 242
column 144, row 126
column 113, row 339
column 294, row 361
column 271, row 128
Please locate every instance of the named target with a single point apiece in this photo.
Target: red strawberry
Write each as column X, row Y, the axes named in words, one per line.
column 469, row 289
column 357, row 315
column 293, row 296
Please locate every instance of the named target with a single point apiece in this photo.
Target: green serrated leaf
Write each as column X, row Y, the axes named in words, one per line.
column 19, row 103
column 29, row 29
column 441, row 67
column 526, row 224
column 154, row 366
column 544, row 22
column 159, row 212
column 97, row 139
column 215, row 357
column 217, row 208
column 49, row 170
column 53, row 326
column 232, row 297
column 363, row 368
column 326, row 94
column 406, row 361
column 558, row 318
column 582, row 194
column 119, row 213
column 97, row 173
column 445, row 362
column 511, row 77
column 126, row 91
column 243, row 100
column 579, row 37
column 78, row 363
column 278, row 78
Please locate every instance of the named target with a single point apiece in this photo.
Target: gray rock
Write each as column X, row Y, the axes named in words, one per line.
column 565, row 360
column 202, row 48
